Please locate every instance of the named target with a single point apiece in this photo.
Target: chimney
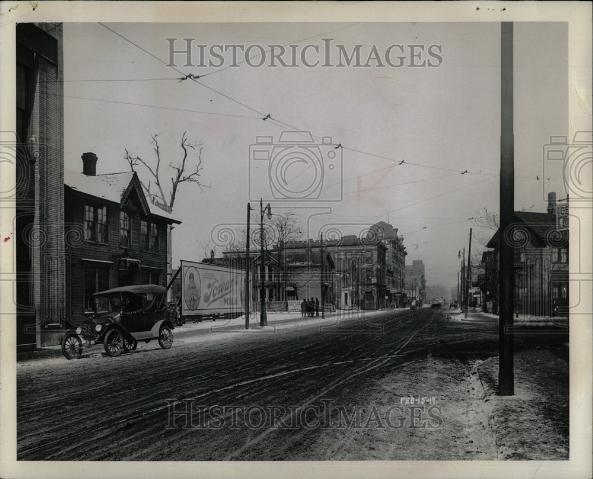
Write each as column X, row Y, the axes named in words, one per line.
column 89, row 164
column 551, row 202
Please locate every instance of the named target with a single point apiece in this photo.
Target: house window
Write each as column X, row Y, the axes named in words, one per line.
column 89, row 223
column 144, row 234
column 101, row 224
column 95, row 279
column 124, row 229
column 153, row 240
column 95, row 223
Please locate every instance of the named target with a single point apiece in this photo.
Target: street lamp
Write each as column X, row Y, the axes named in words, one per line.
column 263, row 319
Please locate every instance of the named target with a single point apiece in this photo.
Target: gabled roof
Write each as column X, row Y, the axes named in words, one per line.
column 541, row 225
column 114, row 187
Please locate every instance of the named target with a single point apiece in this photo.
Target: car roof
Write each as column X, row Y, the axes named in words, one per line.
column 134, row 289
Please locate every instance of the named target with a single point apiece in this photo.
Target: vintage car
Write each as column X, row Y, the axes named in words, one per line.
column 122, row 317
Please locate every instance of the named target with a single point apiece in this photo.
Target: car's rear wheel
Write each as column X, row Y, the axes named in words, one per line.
column 114, row 343
column 71, row 346
column 165, row 337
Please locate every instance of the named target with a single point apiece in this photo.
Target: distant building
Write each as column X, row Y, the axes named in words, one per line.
column 114, row 237
column 353, row 272
column 416, row 281
column 395, row 263
column 289, row 280
column 540, row 243
column 360, row 271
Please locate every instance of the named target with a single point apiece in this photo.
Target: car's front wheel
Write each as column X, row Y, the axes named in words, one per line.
column 71, row 346
column 165, row 337
column 114, row 343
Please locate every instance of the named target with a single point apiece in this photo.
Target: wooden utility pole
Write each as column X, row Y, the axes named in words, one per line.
column 468, row 283
column 506, row 258
column 263, row 318
column 322, row 279
column 247, row 261
column 462, row 304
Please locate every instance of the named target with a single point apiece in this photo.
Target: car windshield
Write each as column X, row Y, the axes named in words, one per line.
column 108, row 304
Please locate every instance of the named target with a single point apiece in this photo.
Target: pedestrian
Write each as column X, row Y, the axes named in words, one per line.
column 303, row 308
column 317, row 307
column 311, row 307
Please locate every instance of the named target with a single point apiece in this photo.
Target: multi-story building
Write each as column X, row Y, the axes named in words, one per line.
column 114, row 236
column 416, row 281
column 39, row 151
column 360, row 271
column 301, row 274
column 540, row 242
column 395, row 262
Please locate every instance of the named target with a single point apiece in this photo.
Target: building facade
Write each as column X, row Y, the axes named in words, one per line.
column 540, row 242
column 290, row 276
column 115, row 237
column 395, row 263
column 39, row 151
column 416, row 281
column 360, row 272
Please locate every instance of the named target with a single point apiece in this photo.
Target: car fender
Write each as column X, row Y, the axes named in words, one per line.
column 154, row 331
column 108, row 327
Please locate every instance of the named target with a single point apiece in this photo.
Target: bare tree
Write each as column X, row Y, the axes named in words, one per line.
column 187, row 170
column 487, row 219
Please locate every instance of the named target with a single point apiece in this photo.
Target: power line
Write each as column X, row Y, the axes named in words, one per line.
column 158, row 107
column 268, row 116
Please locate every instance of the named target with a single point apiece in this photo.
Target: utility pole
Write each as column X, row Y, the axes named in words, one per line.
column 322, row 279
column 263, row 318
column 468, row 284
column 462, row 274
column 458, row 287
column 247, row 261
column 506, row 380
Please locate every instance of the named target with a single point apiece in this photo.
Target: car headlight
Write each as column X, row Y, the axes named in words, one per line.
column 78, row 330
column 98, row 327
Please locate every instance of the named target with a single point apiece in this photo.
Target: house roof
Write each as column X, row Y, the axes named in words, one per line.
column 541, row 225
column 111, row 187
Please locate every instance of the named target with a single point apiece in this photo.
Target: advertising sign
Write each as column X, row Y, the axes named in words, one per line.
column 210, row 289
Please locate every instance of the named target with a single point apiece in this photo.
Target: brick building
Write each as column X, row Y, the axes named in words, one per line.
column 395, row 263
column 540, row 242
column 360, row 271
column 39, row 228
column 287, row 281
column 114, row 237
column 416, row 281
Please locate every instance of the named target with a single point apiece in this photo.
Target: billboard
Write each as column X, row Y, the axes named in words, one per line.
column 209, row 289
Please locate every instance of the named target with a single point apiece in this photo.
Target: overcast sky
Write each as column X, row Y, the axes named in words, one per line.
column 446, row 119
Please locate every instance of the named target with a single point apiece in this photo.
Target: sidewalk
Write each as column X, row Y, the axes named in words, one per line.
column 520, row 321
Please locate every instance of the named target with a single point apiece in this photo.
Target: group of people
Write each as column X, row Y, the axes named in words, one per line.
column 310, row 307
